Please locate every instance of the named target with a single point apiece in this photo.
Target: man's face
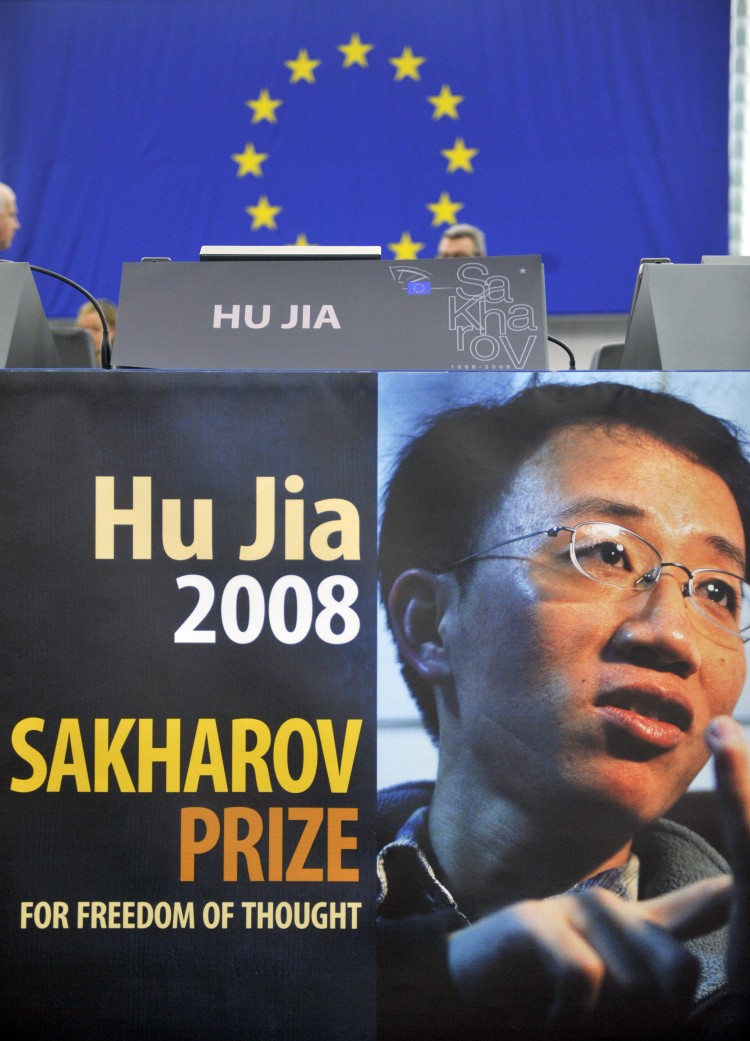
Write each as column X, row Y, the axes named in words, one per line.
column 9, row 223
column 565, row 690
column 463, row 246
column 91, row 321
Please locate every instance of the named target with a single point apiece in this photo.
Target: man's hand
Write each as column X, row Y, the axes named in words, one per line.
column 732, row 765
column 588, row 961
column 580, row 961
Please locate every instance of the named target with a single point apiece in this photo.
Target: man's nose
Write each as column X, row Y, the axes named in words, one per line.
column 658, row 630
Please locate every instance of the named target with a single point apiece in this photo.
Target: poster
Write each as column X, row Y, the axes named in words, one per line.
column 192, row 653
column 188, row 705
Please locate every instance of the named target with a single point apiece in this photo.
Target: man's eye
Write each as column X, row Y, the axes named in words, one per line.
column 603, row 555
column 718, row 595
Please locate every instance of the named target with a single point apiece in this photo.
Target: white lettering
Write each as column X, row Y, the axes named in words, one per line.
column 327, row 315
column 232, row 316
column 265, row 317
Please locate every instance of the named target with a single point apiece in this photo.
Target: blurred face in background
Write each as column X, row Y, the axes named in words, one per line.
column 9, row 223
column 89, row 320
column 462, row 246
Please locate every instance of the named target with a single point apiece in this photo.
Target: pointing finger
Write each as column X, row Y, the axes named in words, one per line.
column 732, row 765
column 693, row 910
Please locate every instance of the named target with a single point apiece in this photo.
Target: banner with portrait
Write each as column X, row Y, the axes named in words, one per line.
column 192, row 661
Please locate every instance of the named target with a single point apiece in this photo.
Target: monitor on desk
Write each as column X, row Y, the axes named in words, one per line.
column 689, row 316
column 290, row 253
column 25, row 338
column 724, row 260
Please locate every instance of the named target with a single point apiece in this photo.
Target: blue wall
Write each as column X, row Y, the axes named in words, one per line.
column 600, row 128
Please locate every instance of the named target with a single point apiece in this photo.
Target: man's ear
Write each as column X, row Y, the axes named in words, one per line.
column 416, row 605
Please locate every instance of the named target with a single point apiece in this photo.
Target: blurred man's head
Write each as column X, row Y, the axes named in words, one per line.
column 462, row 240
column 88, row 318
column 9, row 223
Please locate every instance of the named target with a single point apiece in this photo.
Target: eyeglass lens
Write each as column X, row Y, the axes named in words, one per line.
column 615, row 556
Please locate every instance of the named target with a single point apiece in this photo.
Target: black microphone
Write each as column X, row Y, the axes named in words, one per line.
column 565, row 347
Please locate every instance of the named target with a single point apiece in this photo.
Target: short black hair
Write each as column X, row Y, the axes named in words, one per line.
column 456, row 470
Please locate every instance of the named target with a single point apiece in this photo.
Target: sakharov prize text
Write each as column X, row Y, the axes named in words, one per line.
column 273, row 844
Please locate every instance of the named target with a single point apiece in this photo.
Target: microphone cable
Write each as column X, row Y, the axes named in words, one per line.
column 565, row 348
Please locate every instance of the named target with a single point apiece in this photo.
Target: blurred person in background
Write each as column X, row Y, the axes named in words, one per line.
column 9, row 222
column 87, row 318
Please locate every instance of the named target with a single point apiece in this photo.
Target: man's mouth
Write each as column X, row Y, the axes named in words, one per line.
column 656, row 719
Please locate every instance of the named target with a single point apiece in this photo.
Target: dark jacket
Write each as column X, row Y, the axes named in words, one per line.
column 416, row 997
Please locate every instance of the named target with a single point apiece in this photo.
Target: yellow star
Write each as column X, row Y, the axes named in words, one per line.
column 264, row 107
column 250, row 161
column 445, row 103
column 444, row 210
column 303, row 67
column 407, row 65
column 459, row 157
column 355, row 52
column 405, row 248
column 301, row 240
column 263, row 214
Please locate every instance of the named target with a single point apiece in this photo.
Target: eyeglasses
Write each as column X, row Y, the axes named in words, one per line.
column 616, row 557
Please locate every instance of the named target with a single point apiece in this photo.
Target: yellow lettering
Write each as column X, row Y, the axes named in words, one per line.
column 339, row 771
column 108, row 755
column 33, row 756
column 69, row 739
column 206, row 739
column 346, row 526
column 138, row 517
column 242, row 756
column 171, row 530
column 148, row 754
column 294, row 520
column 265, row 520
column 309, row 755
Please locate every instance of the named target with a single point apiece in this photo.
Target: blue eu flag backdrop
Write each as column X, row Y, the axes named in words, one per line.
column 593, row 132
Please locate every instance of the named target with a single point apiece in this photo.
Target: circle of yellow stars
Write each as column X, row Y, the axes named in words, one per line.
column 407, row 65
